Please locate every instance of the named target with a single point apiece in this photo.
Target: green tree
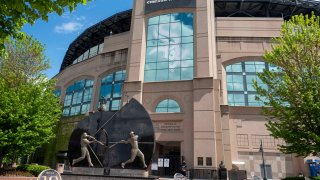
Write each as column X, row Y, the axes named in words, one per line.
column 294, row 88
column 16, row 13
column 28, row 108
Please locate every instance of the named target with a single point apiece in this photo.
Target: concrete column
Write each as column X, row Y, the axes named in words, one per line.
column 95, row 94
column 136, row 54
column 205, row 45
column 206, row 89
column 226, row 147
column 204, row 124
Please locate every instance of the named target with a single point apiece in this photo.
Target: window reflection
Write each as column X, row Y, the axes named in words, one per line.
column 169, row 53
column 111, row 88
column 240, row 77
column 57, row 93
column 78, row 98
column 168, row 105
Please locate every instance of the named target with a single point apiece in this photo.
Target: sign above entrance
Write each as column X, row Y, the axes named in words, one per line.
column 155, row 5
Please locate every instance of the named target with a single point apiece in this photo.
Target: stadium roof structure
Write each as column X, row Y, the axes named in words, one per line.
column 121, row 22
column 95, row 34
column 265, row 8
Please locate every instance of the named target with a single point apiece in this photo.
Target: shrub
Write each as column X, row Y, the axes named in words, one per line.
column 12, row 172
column 315, row 178
column 293, row 178
column 32, row 168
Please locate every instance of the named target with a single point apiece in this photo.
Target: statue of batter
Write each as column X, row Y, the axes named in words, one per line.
column 84, row 142
column 135, row 151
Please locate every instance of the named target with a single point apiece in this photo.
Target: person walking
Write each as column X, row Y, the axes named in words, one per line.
column 183, row 168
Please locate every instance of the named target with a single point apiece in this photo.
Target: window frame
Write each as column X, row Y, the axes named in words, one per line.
column 79, row 91
column 167, row 107
column 111, row 101
column 245, row 92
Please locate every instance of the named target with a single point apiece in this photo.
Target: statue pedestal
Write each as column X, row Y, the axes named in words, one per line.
column 87, row 170
column 81, row 173
column 129, row 172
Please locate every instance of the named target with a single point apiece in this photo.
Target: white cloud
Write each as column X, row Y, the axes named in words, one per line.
column 69, row 27
column 72, row 16
column 80, row 18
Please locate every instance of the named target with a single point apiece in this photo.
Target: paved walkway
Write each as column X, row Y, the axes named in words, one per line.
column 18, row 178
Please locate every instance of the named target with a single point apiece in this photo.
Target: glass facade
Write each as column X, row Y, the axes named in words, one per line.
column 111, row 88
column 57, row 93
column 168, row 105
column 89, row 53
column 240, row 78
column 78, row 98
column 169, row 54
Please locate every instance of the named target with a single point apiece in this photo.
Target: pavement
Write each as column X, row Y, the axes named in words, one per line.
column 18, row 178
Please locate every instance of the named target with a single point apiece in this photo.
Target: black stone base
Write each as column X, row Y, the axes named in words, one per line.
column 87, row 171
column 129, row 172
column 81, row 173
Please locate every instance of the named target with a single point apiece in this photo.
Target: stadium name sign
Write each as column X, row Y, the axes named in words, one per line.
column 155, row 5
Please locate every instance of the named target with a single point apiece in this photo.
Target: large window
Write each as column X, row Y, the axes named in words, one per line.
column 240, row 78
column 168, row 105
column 169, row 54
column 78, row 98
column 111, row 88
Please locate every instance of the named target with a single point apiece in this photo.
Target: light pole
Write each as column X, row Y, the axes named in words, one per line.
column 263, row 163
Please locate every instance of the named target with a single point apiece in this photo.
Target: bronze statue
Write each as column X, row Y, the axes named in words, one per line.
column 84, row 142
column 135, row 151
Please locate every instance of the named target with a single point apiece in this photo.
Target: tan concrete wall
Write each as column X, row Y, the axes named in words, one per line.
column 242, row 39
column 247, row 128
column 94, row 68
column 116, row 42
column 181, row 124
column 247, row 39
column 248, row 27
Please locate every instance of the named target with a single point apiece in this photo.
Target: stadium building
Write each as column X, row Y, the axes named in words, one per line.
column 191, row 64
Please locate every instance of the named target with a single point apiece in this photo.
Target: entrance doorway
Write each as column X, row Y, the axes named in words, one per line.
column 168, row 157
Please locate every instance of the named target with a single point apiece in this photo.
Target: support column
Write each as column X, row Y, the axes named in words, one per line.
column 136, row 55
column 227, row 146
column 206, row 88
column 95, row 94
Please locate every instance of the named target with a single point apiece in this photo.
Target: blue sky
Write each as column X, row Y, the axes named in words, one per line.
column 60, row 31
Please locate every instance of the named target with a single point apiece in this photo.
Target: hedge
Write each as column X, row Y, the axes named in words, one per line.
column 32, row 168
